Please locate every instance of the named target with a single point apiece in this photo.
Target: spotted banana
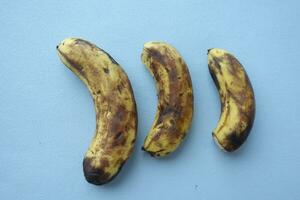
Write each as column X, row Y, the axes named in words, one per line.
column 116, row 115
column 175, row 98
column 237, row 100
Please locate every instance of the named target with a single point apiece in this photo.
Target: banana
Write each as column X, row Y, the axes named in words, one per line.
column 237, row 100
column 116, row 115
column 175, row 98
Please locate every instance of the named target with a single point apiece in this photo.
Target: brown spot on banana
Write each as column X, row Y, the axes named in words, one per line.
column 116, row 115
column 175, row 98
column 237, row 100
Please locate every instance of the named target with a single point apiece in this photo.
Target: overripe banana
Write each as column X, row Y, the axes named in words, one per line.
column 116, row 116
column 237, row 100
column 175, row 98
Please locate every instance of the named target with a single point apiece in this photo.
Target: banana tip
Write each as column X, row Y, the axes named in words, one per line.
column 152, row 154
column 93, row 175
column 208, row 50
column 218, row 143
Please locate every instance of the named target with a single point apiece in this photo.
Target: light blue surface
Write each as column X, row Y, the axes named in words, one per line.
column 47, row 118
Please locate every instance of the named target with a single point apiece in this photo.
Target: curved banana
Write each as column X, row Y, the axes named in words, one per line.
column 237, row 100
column 175, row 98
column 116, row 116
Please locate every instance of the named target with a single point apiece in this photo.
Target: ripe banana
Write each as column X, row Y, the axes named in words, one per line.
column 237, row 100
column 175, row 98
column 116, row 115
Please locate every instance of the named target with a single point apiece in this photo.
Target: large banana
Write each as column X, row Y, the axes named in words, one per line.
column 175, row 98
column 116, row 116
column 237, row 99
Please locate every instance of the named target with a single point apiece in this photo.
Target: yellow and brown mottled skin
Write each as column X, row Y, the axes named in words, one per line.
column 237, row 100
column 116, row 115
column 175, row 98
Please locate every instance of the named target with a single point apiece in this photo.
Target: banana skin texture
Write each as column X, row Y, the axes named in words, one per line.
column 116, row 115
column 175, row 98
column 237, row 100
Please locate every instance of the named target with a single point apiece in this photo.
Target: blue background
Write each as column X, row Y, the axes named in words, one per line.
column 47, row 117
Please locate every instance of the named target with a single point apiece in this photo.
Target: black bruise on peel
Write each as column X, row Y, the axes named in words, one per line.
column 235, row 141
column 168, row 110
column 216, row 62
column 173, row 75
column 118, row 135
column 156, row 55
column 106, row 70
column 98, row 176
column 94, row 175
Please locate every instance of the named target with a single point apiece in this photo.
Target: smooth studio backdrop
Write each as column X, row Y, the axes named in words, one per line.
column 47, row 117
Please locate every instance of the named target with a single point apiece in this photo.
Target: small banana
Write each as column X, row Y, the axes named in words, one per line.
column 237, row 100
column 116, row 115
column 175, row 98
